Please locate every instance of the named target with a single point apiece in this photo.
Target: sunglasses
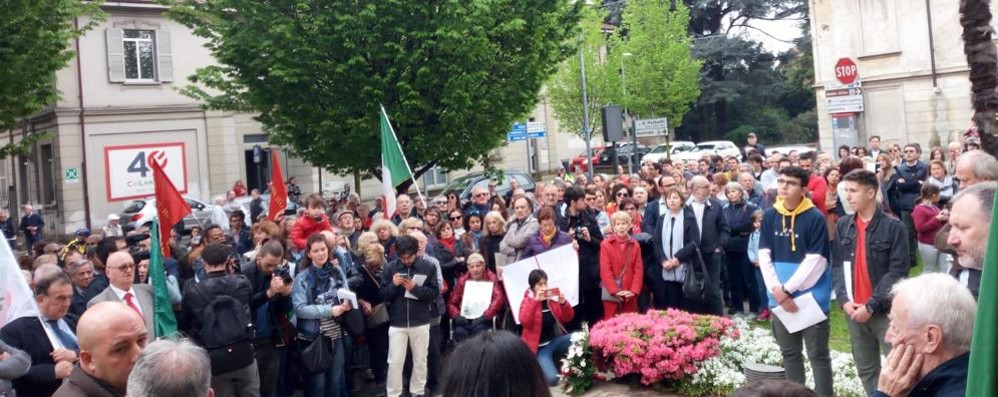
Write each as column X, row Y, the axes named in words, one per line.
column 453, row 218
column 481, row 194
column 622, row 194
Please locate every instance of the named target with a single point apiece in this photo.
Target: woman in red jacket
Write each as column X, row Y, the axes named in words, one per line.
column 543, row 314
column 620, row 267
column 468, row 327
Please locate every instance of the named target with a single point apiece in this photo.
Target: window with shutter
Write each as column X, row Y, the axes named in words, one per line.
column 164, row 56
column 115, row 56
column 139, row 54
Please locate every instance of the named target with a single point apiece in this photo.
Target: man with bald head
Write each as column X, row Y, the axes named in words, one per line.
column 404, row 209
column 111, row 337
column 120, row 268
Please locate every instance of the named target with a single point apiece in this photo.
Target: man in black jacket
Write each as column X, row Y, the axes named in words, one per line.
column 233, row 366
column 409, row 287
column 270, row 303
column 871, row 255
column 581, row 224
column 911, row 174
column 714, row 233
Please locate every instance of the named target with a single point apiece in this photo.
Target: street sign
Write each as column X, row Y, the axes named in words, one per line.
column 72, row 175
column 651, row 127
column 844, row 98
column 522, row 132
column 846, row 71
column 518, row 133
column 536, row 129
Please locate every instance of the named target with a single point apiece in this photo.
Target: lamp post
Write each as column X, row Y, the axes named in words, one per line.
column 634, row 133
column 585, row 112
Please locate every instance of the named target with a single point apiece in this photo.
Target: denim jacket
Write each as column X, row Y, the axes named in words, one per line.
column 307, row 313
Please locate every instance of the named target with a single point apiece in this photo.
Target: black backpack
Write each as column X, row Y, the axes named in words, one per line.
column 225, row 330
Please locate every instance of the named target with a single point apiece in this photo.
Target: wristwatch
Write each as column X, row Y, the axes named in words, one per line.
column 784, row 289
column 869, row 309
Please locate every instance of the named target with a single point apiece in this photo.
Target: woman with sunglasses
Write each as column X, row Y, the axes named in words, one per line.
column 630, row 207
column 619, row 192
column 453, row 204
column 456, row 220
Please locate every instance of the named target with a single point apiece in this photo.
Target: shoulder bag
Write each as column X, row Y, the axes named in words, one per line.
column 379, row 312
column 694, row 284
column 606, row 296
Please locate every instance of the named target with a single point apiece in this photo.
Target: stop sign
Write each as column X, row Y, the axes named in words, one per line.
column 846, row 71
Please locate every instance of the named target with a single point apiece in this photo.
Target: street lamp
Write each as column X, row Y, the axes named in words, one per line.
column 634, row 135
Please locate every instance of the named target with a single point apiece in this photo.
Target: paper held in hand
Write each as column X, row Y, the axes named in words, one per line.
column 476, row 299
column 562, row 267
column 346, row 296
column 808, row 313
column 418, row 279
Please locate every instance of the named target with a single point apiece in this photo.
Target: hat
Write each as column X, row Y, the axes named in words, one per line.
column 341, row 213
column 751, row 135
column 113, row 217
column 84, row 232
column 476, row 257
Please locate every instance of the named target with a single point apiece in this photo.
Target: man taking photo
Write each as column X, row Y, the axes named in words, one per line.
column 270, row 303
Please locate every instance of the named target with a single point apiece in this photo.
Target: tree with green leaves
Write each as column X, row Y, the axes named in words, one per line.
column 565, row 87
column 659, row 77
column 453, row 75
column 35, row 38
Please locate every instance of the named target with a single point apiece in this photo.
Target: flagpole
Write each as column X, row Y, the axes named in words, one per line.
column 405, row 160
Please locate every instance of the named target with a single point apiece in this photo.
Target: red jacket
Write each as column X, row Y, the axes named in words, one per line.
column 818, row 187
column 454, row 304
column 613, row 253
column 305, row 226
column 531, row 319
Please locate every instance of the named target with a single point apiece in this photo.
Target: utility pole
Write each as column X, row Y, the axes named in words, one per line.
column 585, row 112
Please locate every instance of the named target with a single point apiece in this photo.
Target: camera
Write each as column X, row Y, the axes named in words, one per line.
column 284, row 273
column 578, row 232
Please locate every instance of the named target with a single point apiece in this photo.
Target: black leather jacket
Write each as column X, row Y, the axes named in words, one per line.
column 886, row 257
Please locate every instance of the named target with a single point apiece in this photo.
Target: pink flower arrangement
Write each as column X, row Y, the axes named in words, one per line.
column 659, row 345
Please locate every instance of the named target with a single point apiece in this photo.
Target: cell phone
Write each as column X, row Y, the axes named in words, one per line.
column 552, row 292
column 196, row 240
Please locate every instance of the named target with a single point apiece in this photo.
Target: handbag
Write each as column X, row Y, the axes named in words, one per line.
column 353, row 320
column 694, row 286
column 606, row 296
column 379, row 313
column 313, row 355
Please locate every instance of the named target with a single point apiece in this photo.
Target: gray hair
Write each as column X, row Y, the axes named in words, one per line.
column 984, row 165
column 985, row 194
column 171, row 368
column 699, row 180
column 736, row 186
column 949, row 306
column 74, row 267
column 46, row 270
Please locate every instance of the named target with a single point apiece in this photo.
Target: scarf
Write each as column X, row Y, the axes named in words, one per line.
column 448, row 242
column 547, row 240
column 780, row 208
column 323, row 273
column 476, row 238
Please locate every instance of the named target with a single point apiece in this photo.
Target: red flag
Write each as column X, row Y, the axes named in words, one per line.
column 278, row 192
column 170, row 206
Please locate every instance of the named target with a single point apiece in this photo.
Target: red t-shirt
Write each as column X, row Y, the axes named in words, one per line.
column 862, row 289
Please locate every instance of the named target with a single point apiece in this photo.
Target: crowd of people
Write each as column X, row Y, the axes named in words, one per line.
column 342, row 297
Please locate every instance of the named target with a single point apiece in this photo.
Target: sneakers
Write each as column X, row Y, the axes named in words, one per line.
column 764, row 315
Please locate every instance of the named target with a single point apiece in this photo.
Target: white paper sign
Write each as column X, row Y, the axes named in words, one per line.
column 419, row 279
column 562, row 267
column 16, row 300
column 476, row 299
column 808, row 313
column 346, row 296
column 128, row 168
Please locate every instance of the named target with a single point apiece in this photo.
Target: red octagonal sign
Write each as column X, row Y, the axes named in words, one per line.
column 846, row 71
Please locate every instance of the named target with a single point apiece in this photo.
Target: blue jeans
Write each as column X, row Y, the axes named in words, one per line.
column 761, row 285
column 332, row 382
column 546, row 356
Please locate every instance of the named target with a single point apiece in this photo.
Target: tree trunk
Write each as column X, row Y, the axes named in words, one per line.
column 982, row 57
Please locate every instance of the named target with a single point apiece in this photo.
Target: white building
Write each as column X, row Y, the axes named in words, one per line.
column 905, row 97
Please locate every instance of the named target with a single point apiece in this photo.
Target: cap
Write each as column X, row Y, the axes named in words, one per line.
column 82, row 232
column 341, row 213
column 113, row 217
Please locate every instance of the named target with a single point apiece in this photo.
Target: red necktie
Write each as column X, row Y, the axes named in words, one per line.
column 131, row 304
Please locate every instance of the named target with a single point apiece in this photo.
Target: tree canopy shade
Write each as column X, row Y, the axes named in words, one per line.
column 453, row 75
column 35, row 38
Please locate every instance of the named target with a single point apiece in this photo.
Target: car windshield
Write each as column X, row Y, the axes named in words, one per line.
column 704, row 147
column 683, row 148
column 135, row 206
column 658, row 149
column 458, row 185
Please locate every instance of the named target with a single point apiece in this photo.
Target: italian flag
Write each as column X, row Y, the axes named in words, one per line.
column 394, row 168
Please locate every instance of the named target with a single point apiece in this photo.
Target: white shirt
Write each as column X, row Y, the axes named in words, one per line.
column 698, row 209
column 121, row 295
column 671, row 247
column 50, row 333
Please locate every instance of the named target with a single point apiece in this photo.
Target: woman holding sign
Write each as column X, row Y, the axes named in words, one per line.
column 543, row 314
column 476, row 300
column 621, row 269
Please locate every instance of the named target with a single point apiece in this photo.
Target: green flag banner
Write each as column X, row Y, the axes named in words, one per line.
column 982, row 376
column 166, row 322
column 394, row 169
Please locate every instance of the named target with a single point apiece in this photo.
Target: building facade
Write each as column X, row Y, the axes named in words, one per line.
column 912, row 73
column 121, row 108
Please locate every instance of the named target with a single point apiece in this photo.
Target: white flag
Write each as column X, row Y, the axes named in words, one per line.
column 16, row 299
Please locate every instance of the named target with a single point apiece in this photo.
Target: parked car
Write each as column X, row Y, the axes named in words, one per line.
column 141, row 212
column 720, row 148
column 580, row 163
column 463, row 185
column 787, row 149
column 658, row 153
column 244, row 201
column 624, row 153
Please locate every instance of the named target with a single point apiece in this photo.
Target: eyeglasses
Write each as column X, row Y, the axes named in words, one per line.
column 126, row 268
column 623, row 194
column 787, row 182
column 481, row 194
column 455, row 217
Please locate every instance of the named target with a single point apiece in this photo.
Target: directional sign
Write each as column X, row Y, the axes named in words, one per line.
column 518, row 133
column 531, row 130
column 844, row 98
column 536, row 129
column 652, row 127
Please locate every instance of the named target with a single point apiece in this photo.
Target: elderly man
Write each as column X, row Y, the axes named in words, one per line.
column 111, row 338
column 121, row 275
column 968, row 234
column 404, row 209
column 31, row 225
column 479, row 201
column 81, row 271
column 171, row 368
column 714, row 233
column 930, row 337
column 112, row 228
column 972, row 168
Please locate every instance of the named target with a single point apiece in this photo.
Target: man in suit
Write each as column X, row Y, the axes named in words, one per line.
column 121, row 275
column 111, row 338
column 32, row 225
column 81, row 271
column 50, row 338
column 714, row 233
